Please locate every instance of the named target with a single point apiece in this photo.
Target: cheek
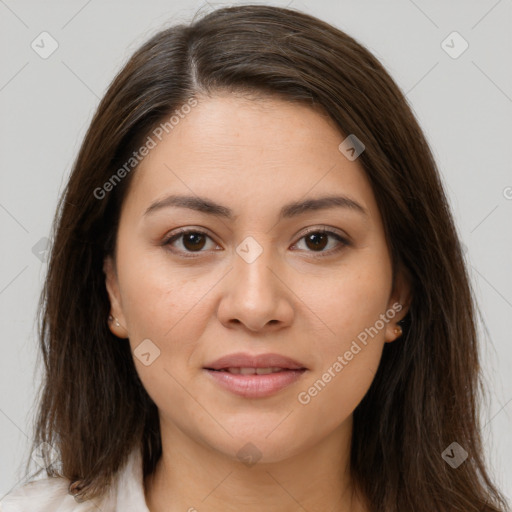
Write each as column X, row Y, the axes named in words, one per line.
column 163, row 306
column 157, row 297
column 350, row 300
column 333, row 394
column 353, row 311
column 347, row 361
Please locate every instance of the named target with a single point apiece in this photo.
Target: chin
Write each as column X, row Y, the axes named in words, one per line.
column 257, row 446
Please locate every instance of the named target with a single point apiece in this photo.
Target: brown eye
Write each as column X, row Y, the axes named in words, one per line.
column 192, row 241
column 317, row 240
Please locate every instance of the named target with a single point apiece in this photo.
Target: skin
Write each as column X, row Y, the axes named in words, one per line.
column 252, row 155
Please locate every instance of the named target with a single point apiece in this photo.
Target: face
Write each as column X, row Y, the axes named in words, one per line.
column 253, row 276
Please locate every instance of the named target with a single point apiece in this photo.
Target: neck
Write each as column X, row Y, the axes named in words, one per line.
column 192, row 477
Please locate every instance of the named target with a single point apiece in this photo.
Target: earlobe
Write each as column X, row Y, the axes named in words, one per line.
column 116, row 321
column 399, row 305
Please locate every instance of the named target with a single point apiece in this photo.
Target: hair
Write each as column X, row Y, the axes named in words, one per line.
column 93, row 409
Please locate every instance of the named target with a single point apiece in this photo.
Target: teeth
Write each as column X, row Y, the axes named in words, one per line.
column 253, row 371
column 264, row 371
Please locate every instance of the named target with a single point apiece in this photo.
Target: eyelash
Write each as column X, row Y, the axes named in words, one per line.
column 191, row 254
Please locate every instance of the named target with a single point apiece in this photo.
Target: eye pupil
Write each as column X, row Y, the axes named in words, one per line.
column 192, row 238
column 314, row 238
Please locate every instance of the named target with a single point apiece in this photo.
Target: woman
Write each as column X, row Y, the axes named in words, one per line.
column 256, row 298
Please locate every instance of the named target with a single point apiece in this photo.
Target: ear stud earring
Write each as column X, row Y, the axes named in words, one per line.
column 398, row 331
column 110, row 318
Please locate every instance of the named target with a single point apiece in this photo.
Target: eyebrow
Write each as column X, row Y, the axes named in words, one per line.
column 205, row 205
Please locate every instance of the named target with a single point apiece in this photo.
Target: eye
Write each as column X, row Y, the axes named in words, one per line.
column 194, row 241
column 317, row 239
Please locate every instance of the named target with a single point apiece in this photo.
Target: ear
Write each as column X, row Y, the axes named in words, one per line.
column 399, row 303
column 118, row 324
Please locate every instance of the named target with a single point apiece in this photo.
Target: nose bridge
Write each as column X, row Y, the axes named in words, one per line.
column 252, row 267
column 255, row 295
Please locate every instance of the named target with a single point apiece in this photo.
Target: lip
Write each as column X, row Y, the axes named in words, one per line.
column 255, row 386
column 243, row 360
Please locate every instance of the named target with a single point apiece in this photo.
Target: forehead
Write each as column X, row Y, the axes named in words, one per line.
column 245, row 151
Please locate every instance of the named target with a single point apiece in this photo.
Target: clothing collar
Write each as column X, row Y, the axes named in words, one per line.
column 129, row 495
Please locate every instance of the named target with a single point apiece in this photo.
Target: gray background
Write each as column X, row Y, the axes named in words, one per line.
column 464, row 105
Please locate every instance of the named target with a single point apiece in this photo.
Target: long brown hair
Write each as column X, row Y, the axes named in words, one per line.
column 93, row 408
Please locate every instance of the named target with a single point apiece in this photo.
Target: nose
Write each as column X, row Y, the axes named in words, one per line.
column 255, row 293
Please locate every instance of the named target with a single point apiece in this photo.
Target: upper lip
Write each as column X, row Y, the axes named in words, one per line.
column 242, row 360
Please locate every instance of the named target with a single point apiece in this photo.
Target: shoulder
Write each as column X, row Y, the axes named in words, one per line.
column 44, row 495
column 51, row 494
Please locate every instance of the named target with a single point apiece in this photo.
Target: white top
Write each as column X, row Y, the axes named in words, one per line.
column 50, row 494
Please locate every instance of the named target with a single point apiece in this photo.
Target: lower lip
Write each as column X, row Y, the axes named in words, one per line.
column 255, row 386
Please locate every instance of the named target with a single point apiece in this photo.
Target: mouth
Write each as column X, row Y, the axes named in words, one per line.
column 253, row 371
column 255, row 382
column 253, row 376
